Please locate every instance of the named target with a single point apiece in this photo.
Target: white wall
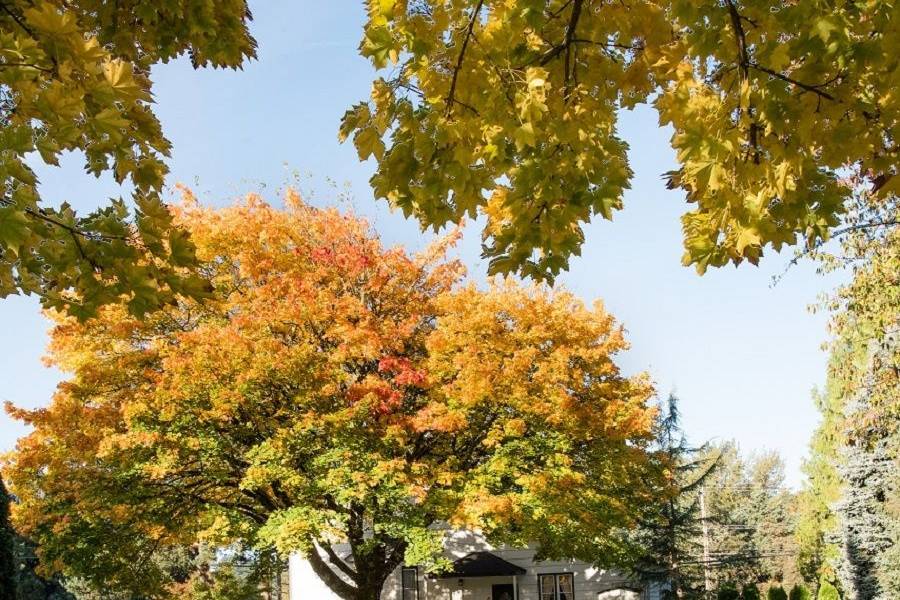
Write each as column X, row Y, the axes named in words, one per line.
column 590, row 582
column 304, row 583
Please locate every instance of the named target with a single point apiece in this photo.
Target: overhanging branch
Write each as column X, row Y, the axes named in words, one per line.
column 327, row 575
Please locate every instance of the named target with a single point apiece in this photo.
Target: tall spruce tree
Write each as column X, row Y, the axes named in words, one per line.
column 671, row 531
column 865, row 524
column 7, row 549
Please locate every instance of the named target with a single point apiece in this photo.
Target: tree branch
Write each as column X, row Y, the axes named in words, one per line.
column 26, row 66
column 815, row 89
column 570, row 35
column 462, row 55
column 43, row 216
column 331, row 579
column 744, row 64
column 17, row 19
column 338, row 562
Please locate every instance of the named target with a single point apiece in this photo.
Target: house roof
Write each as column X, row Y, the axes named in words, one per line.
column 481, row 564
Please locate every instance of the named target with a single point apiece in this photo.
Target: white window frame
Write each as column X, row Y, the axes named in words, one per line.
column 556, row 590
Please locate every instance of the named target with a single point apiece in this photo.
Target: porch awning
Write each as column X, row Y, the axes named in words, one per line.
column 481, row 564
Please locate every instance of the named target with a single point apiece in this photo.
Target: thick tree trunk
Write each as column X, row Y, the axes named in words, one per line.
column 369, row 593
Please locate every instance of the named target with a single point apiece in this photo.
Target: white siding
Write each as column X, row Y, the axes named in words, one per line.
column 590, row 582
column 304, row 583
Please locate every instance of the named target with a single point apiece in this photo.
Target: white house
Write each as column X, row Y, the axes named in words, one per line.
column 482, row 572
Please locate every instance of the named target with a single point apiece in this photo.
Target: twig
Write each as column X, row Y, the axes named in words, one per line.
column 17, row 19
column 804, row 86
column 43, row 216
column 462, row 55
column 570, row 35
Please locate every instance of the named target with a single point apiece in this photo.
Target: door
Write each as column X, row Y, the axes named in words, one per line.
column 502, row 591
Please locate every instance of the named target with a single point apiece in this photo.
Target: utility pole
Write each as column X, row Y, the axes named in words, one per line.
column 707, row 582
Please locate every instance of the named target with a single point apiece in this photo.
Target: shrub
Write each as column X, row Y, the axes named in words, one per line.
column 800, row 592
column 750, row 592
column 776, row 592
column 728, row 592
column 827, row 591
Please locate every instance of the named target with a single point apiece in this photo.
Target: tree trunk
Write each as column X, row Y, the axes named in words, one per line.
column 369, row 593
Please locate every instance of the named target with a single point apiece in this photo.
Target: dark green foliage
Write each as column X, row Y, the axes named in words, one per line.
column 799, row 592
column 750, row 592
column 827, row 591
column 776, row 592
column 728, row 591
column 7, row 549
column 671, row 531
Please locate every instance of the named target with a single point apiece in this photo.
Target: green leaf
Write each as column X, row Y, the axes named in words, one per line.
column 14, row 229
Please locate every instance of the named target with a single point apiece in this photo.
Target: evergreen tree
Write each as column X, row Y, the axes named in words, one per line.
column 752, row 518
column 728, row 591
column 7, row 549
column 671, row 531
column 863, row 521
column 750, row 592
column 776, row 592
column 866, row 570
column 799, row 592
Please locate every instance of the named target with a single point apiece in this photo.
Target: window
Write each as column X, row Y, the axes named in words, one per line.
column 557, row 586
column 410, row 579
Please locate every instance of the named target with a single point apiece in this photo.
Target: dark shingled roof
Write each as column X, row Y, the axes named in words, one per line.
column 482, row 564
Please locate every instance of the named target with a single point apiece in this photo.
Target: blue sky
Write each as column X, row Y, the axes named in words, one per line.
column 742, row 355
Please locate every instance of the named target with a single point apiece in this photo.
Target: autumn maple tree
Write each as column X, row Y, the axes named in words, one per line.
column 75, row 76
column 332, row 390
column 508, row 108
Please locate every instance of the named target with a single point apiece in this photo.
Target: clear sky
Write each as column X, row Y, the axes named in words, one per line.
column 742, row 355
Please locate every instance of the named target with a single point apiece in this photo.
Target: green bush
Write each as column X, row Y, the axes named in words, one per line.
column 776, row 592
column 728, row 592
column 750, row 592
column 800, row 592
column 827, row 591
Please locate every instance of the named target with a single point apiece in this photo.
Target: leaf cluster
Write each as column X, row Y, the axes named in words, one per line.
column 75, row 76
column 509, row 109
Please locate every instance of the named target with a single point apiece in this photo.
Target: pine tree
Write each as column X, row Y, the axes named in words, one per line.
column 750, row 592
column 7, row 549
column 799, row 592
column 671, row 532
column 776, row 592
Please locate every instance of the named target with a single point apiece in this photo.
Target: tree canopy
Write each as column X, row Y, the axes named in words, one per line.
column 333, row 390
column 850, row 511
column 508, row 108
column 75, row 76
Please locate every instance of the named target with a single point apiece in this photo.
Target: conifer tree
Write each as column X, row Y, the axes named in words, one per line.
column 799, row 592
column 671, row 532
column 750, row 592
column 864, row 523
column 776, row 592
